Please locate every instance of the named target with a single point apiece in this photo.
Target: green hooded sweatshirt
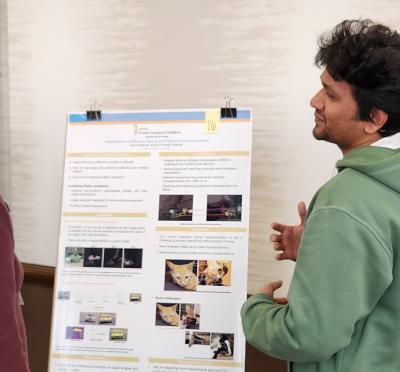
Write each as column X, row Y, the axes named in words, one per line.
column 343, row 313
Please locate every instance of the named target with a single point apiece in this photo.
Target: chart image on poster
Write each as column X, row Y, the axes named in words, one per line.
column 153, row 246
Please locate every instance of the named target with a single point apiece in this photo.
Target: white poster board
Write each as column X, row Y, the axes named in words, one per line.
column 152, row 263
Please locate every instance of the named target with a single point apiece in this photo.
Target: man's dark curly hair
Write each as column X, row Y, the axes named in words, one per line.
column 366, row 55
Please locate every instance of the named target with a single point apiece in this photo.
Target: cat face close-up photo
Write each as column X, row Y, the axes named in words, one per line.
column 167, row 315
column 181, row 275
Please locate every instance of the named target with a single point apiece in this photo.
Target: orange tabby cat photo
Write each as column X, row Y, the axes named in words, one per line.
column 180, row 275
column 167, row 315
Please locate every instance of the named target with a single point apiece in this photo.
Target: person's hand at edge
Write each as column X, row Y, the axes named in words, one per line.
column 269, row 289
column 288, row 237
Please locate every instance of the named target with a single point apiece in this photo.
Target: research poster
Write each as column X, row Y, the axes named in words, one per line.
column 152, row 263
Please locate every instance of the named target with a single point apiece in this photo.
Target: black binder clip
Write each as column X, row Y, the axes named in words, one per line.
column 94, row 113
column 228, row 111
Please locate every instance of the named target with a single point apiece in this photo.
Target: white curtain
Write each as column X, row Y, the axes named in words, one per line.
column 5, row 176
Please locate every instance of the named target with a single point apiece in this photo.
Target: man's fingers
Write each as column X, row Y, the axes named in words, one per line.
column 275, row 237
column 276, row 285
column 277, row 246
column 281, row 256
column 276, row 240
column 269, row 288
column 302, row 212
column 281, row 300
column 278, row 226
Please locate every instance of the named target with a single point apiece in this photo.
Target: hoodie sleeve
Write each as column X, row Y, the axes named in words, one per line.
column 342, row 271
column 12, row 344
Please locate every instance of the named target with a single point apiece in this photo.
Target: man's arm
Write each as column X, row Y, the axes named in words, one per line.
column 341, row 261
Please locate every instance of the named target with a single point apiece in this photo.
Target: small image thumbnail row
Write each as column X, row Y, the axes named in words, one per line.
column 189, row 274
column 219, row 208
column 78, row 333
column 185, row 316
column 93, row 318
column 219, row 345
column 66, row 296
column 127, row 258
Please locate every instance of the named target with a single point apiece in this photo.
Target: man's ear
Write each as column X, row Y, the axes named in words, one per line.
column 378, row 119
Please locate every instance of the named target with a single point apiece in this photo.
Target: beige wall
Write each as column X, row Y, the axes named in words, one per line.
column 159, row 54
column 5, row 163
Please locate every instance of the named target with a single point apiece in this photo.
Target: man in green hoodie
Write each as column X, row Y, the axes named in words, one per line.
column 343, row 308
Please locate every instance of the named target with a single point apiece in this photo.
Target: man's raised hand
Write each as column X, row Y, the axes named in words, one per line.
column 287, row 239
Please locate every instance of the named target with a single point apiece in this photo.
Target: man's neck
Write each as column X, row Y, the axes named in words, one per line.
column 363, row 143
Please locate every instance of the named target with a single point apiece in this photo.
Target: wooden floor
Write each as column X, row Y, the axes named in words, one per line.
column 37, row 292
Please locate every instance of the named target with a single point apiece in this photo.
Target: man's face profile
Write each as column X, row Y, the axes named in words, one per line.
column 336, row 114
